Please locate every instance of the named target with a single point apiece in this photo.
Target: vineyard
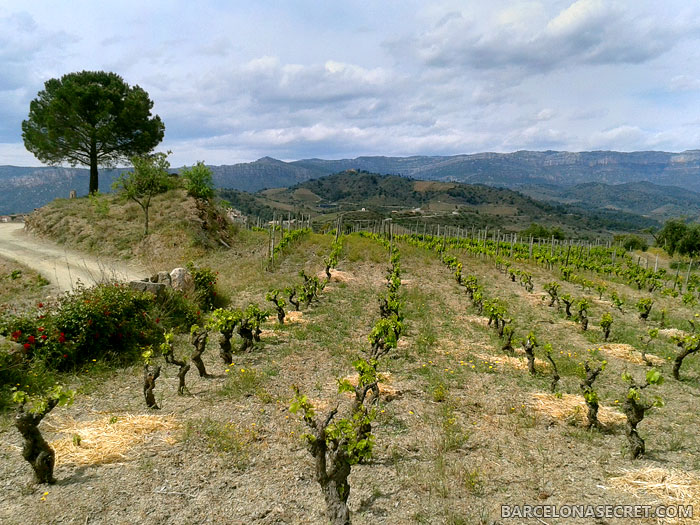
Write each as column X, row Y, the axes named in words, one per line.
column 377, row 377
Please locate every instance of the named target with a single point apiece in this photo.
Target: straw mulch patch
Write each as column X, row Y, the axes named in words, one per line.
column 338, row 276
column 672, row 487
column 570, row 407
column 671, row 332
column 109, row 439
column 537, row 298
column 475, row 319
column 629, row 353
column 295, row 317
column 386, row 391
column 519, row 363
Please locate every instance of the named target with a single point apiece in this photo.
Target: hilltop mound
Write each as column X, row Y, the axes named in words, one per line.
column 364, row 196
column 181, row 227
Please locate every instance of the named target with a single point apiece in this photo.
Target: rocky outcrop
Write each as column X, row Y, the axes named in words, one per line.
column 156, row 289
column 179, row 279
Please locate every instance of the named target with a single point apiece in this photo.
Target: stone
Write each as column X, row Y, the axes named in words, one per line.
column 156, row 289
column 13, row 349
column 181, row 280
column 164, row 277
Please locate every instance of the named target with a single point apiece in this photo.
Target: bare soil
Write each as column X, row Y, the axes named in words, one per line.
column 461, row 437
column 59, row 265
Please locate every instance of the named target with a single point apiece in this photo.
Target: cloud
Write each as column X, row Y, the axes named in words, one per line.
column 585, row 32
column 623, row 138
column 535, row 137
column 234, row 82
column 684, row 83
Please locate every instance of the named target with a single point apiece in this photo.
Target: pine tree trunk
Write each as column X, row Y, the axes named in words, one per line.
column 93, row 166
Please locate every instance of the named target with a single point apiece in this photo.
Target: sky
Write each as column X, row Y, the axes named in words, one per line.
column 236, row 81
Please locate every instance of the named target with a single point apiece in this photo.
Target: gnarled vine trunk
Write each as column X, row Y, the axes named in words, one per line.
column 247, row 336
column 225, row 347
column 634, row 410
column 199, row 340
column 589, row 394
column 530, row 353
column 678, row 361
column 182, row 372
column 149, row 384
column 35, row 448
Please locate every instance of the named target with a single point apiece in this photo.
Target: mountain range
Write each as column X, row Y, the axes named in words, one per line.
column 653, row 183
column 511, row 170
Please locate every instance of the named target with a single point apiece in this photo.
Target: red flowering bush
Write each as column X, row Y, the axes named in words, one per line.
column 104, row 322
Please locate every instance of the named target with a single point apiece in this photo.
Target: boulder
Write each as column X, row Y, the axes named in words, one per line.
column 14, row 351
column 164, row 277
column 156, row 289
column 181, row 280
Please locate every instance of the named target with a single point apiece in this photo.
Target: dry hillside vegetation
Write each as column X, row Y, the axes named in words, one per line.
column 181, row 229
column 461, row 429
column 19, row 285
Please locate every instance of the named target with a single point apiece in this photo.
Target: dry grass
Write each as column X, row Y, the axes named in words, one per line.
column 23, row 286
column 537, row 299
column 629, row 353
column 570, row 407
column 295, row 317
column 519, row 363
column 673, row 332
column 176, row 230
column 338, row 276
column 109, row 439
column 386, row 391
column 672, row 487
column 475, row 319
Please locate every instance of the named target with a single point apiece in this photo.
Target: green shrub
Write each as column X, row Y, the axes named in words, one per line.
column 109, row 321
column 176, row 311
column 198, row 181
column 204, row 285
column 633, row 242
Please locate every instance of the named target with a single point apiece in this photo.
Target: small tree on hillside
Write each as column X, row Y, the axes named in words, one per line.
column 149, row 178
column 198, row 181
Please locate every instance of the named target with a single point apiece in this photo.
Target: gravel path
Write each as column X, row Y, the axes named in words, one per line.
column 62, row 267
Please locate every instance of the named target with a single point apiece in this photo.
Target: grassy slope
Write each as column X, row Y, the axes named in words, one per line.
column 107, row 225
column 18, row 289
column 460, row 439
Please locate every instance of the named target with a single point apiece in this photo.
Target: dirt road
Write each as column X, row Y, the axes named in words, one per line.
column 62, row 267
